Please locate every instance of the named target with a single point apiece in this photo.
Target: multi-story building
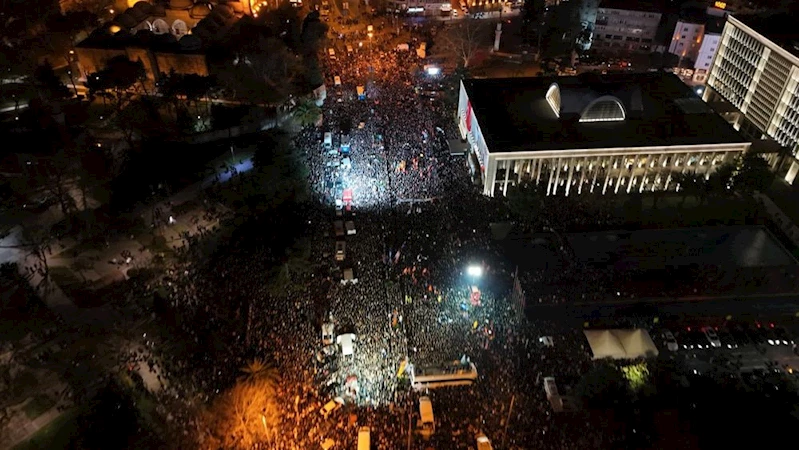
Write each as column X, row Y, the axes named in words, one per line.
column 687, row 37
column 626, row 27
column 622, row 132
column 756, row 73
column 708, row 48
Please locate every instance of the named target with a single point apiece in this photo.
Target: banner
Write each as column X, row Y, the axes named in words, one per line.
column 469, row 116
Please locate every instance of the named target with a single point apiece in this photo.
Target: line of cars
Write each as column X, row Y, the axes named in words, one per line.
column 731, row 336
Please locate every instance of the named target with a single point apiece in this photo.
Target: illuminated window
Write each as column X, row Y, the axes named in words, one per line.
column 553, row 98
column 603, row 109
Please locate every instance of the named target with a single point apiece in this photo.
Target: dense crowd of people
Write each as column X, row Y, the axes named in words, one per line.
column 419, row 223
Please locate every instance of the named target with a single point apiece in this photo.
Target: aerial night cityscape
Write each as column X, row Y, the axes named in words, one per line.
column 399, row 224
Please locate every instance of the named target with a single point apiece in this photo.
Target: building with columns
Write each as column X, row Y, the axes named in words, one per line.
column 620, row 132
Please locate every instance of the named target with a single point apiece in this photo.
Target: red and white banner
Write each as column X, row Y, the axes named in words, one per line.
column 469, row 116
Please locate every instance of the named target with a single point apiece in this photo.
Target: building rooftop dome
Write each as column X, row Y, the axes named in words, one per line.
column 200, row 10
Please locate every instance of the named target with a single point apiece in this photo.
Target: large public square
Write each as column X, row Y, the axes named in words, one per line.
column 388, row 260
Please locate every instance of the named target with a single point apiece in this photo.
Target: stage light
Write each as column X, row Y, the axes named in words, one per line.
column 474, row 271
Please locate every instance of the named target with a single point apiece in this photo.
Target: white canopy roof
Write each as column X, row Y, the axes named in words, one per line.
column 620, row 344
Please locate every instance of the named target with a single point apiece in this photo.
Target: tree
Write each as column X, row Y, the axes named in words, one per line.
column 117, row 79
column 256, row 369
column 690, row 185
column 603, row 387
column 720, row 181
column 526, row 204
column 113, row 419
column 307, row 113
column 465, row 39
column 47, row 83
column 36, row 240
column 312, row 34
column 247, row 413
column 754, row 174
column 256, row 66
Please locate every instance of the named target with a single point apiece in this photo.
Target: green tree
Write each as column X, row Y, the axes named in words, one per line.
column 307, row 113
column 754, row 174
column 47, row 83
column 603, row 387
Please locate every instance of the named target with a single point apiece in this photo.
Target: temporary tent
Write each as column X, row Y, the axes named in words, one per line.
column 620, row 344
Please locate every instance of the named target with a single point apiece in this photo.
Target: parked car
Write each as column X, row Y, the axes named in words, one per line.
column 712, row 337
column 670, row 340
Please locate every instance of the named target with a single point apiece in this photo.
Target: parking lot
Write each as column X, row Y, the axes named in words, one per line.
column 739, row 347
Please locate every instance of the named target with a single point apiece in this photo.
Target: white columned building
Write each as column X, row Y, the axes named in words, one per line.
column 591, row 134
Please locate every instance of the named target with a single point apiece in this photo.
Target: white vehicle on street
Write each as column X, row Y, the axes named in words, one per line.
column 711, row 336
column 341, row 250
column 483, row 443
column 327, row 333
column 350, row 227
column 427, row 422
column 671, row 341
column 332, row 53
column 331, row 406
column 337, row 80
column 347, row 343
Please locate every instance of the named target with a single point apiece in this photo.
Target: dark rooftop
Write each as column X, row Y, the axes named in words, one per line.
column 715, row 25
column 778, row 27
column 658, row 6
column 660, row 110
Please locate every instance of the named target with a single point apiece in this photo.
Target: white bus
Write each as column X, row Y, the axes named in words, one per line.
column 455, row 374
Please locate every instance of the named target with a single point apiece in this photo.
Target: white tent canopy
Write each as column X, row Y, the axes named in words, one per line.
column 620, row 344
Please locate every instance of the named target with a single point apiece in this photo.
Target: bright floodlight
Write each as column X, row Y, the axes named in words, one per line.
column 474, row 271
column 433, row 71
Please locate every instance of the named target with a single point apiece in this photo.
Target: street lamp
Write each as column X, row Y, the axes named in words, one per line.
column 474, row 271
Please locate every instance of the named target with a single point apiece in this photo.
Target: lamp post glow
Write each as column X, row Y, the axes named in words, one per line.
column 474, row 271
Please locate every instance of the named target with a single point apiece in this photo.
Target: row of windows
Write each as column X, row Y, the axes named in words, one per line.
column 628, row 38
column 623, row 12
column 788, row 128
column 735, row 65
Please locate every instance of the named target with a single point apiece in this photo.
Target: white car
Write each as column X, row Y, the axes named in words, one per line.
column 327, row 333
column 350, row 227
column 671, row 341
column 341, row 251
column 331, row 406
column 711, row 336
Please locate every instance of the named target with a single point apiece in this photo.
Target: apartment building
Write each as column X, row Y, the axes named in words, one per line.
column 708, row 48
column 624, row 28
column 755, row 74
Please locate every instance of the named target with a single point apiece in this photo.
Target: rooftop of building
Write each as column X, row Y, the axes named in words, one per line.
column 715, row 25
column 154, row 26
column 778, row 27
column 657, row 108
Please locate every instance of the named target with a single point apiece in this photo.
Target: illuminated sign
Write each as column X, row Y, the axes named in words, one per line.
column 415, row 10
column 720, row 5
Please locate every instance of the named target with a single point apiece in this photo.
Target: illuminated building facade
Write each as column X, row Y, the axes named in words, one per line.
column 604, row 134
column 756, row 73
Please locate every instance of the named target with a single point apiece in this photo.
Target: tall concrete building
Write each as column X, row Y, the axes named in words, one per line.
column 755, row 76
column 604, row 134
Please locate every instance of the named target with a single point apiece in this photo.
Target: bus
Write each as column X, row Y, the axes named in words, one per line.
column 455, row 374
